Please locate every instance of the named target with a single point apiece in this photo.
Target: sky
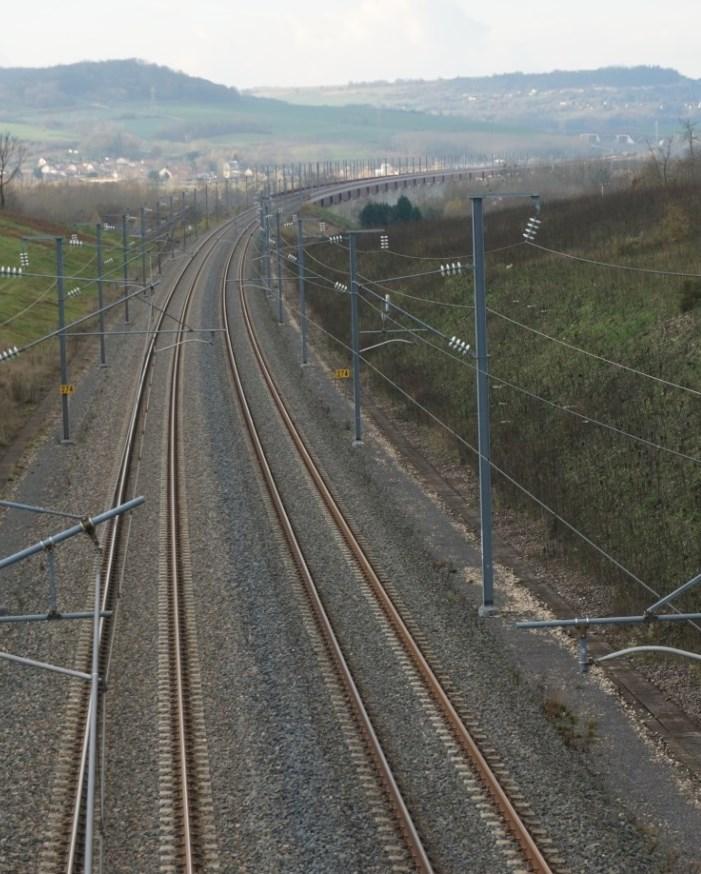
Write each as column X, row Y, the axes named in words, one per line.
column 316, row 42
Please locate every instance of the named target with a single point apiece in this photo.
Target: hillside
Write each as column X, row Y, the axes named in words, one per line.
column 103, row 82
column 143, row 111
column 140, row 110
column 639, row 101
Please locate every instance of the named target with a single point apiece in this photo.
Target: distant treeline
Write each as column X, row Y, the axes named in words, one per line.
column 617, row 77
column 376, row 215
column 105, row 82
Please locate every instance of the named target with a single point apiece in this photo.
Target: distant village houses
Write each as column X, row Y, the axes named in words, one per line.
column 231, row 169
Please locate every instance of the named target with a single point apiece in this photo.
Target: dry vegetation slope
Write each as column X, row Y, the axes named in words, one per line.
column 640, row 503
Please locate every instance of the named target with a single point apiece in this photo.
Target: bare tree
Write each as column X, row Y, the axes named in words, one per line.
column 12, row 153
column 688, row 135
column 661, row 157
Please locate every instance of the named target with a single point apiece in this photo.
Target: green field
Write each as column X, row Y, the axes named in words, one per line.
column 268, row 127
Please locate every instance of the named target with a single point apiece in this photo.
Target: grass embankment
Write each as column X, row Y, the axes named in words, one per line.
column 29, row 309
column 639, row 503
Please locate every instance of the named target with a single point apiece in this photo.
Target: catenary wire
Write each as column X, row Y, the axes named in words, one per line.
column 630, row 574
column 533, row 395
column 627, row 267
column 602, row 358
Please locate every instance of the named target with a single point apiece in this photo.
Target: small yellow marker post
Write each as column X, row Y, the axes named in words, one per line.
column 342, row 373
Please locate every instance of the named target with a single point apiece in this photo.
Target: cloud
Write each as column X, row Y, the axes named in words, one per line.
column 333, row 41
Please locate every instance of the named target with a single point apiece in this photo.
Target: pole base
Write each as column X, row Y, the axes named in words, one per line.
column 486, row 610
column 357, row 443
column 105, row 364
column 68, row 442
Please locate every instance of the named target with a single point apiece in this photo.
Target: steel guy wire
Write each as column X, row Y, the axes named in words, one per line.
column 331, row 287
column 394, row 290
column 428, row 257
column 32, row 343
column 308, row 272
column 26, row 309
column 85, row 266
column 602, row 358
column 435, row 272
column 467, row 257
column 308, row 254
column 455, row 257
column 590, row 420
column 505, row 248
column 378, row 284
column 565, row 409
column 630, row 574
column 596, row 263
column 42, row 295
column 387, row 279
column 105, row 277
column 561, row 342
column 440, row 303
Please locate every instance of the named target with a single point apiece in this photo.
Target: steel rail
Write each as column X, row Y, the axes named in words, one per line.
column 509, row 814
column 176, row 635
column 406, row 823
column 111, row 545
column 176, row 601
column 174, row 607
column 111, row 538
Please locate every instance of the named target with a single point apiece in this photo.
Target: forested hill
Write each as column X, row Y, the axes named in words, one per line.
column 106, row 82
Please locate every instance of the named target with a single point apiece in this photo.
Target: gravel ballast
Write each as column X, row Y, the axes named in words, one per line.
column 76, row 478
column 289, row 788
column 615, row 806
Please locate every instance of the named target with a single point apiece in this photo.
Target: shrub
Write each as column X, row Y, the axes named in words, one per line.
column 690, row 295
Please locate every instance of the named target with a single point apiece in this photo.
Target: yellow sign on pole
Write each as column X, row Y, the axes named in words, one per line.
column 66, row 388
column 342, row 373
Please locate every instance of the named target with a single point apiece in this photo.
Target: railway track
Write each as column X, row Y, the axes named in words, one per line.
column 188, row 837
column 63, row 849
column 477, row 766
